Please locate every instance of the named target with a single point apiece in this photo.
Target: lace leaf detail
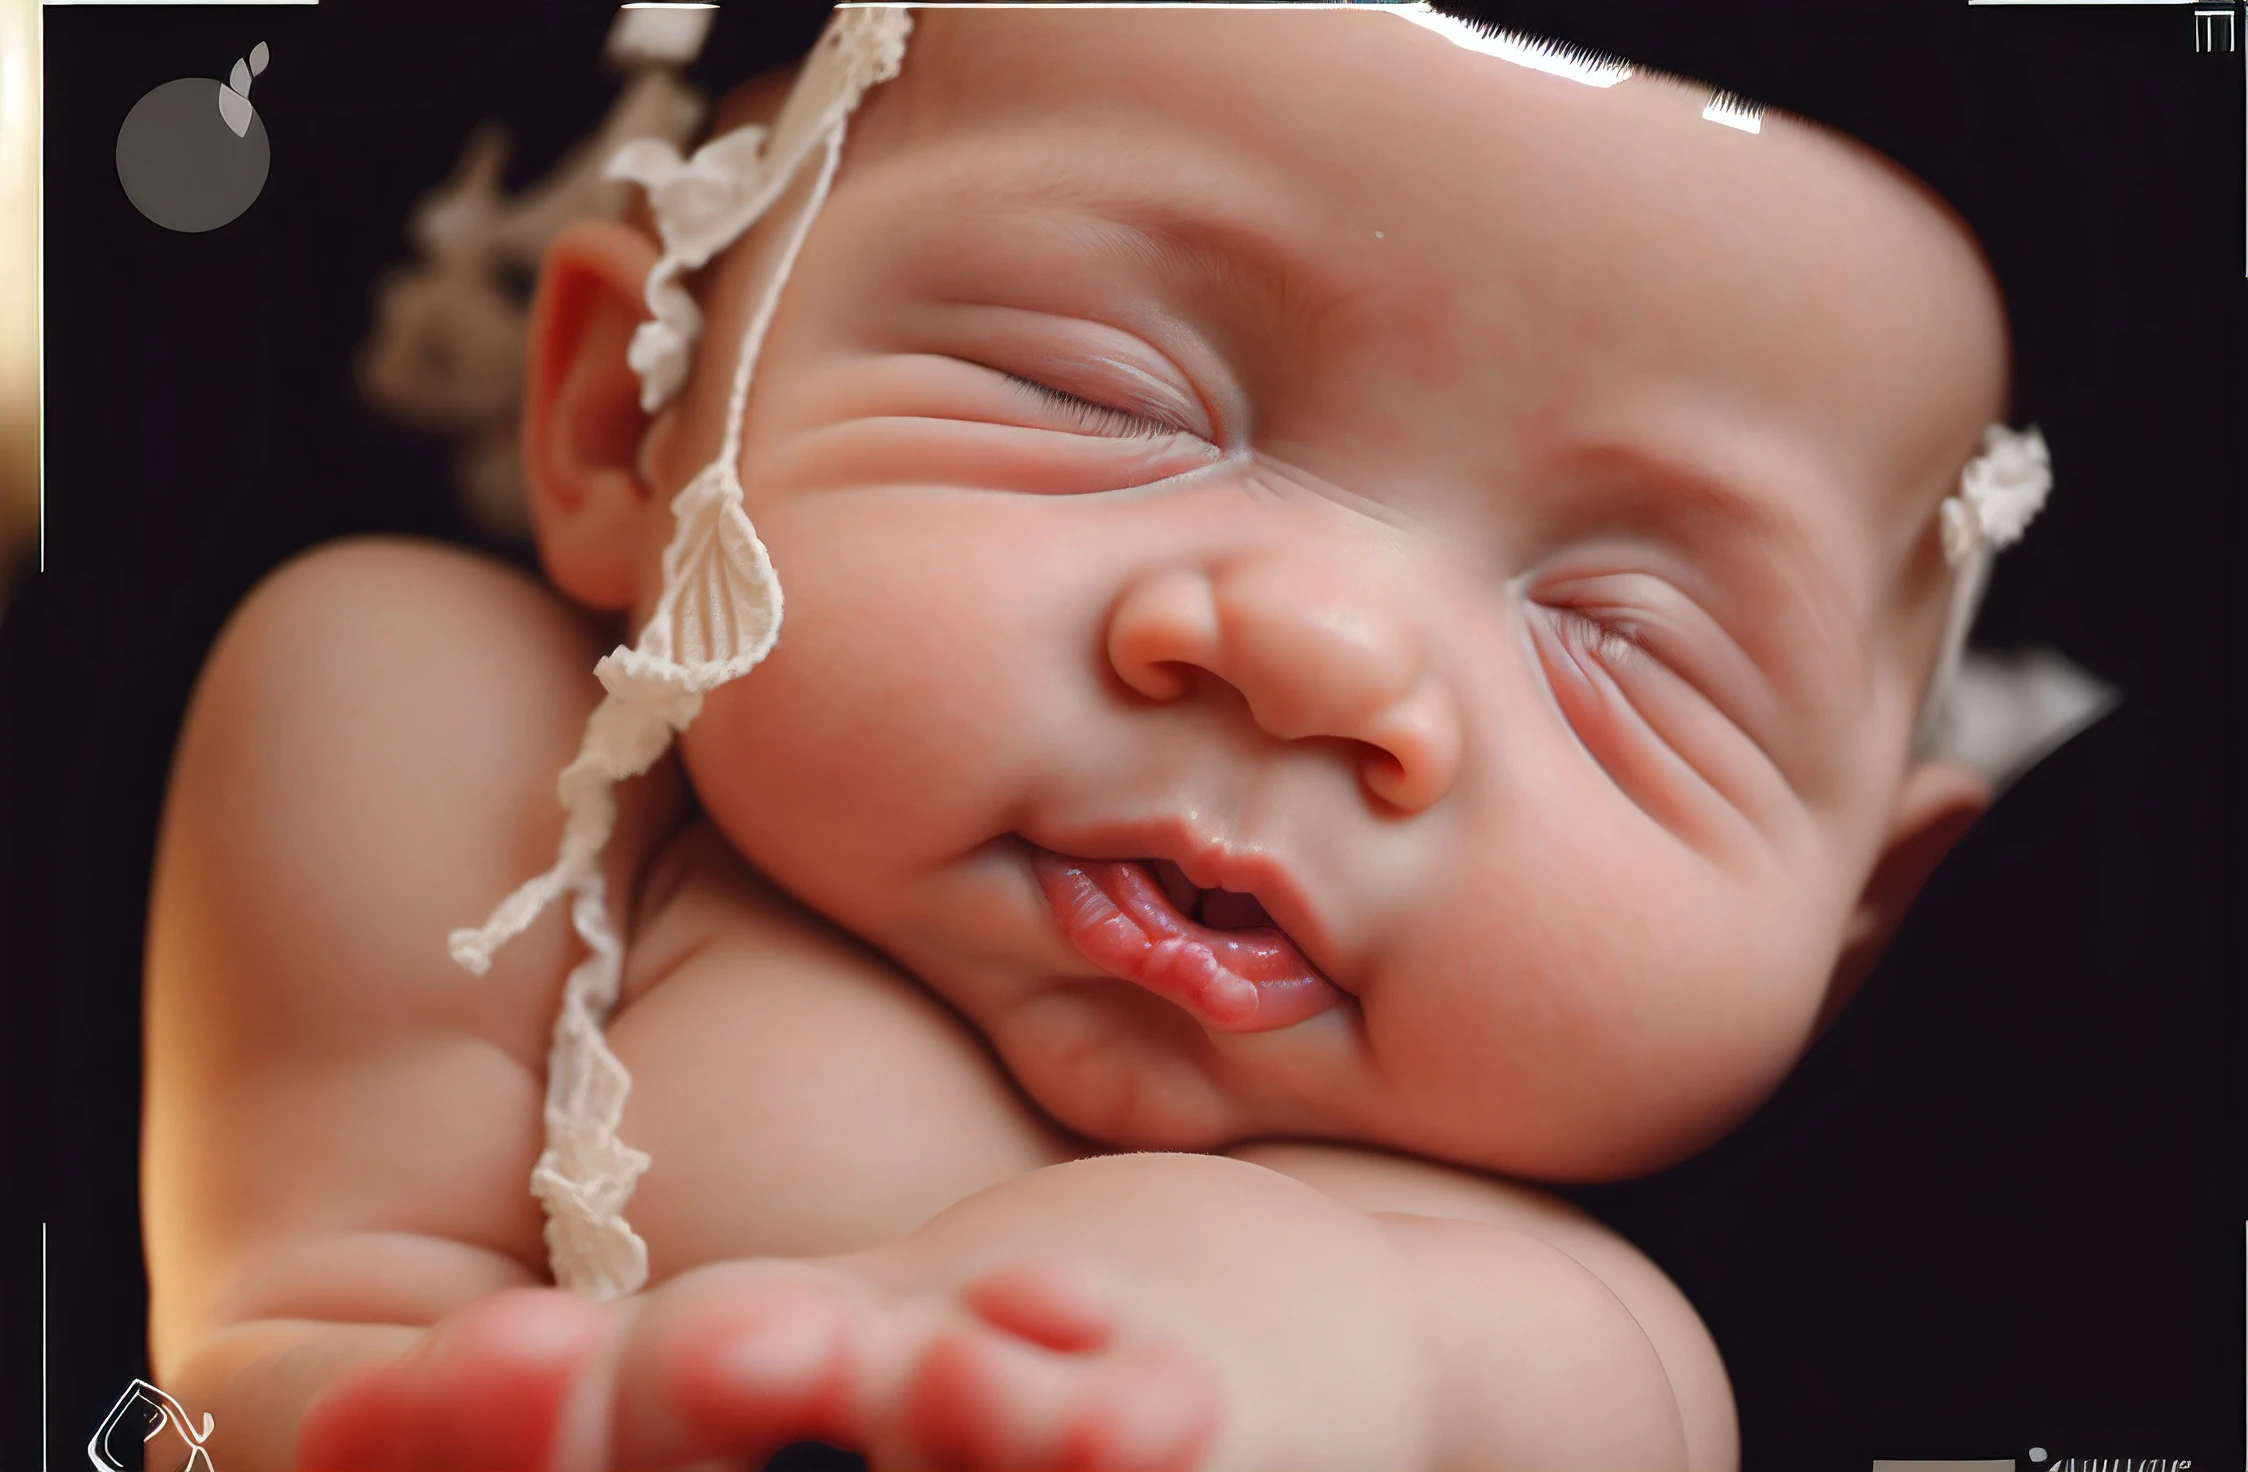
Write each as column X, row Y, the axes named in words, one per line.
column 720, row 611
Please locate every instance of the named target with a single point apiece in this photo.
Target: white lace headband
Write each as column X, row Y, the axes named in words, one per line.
column 719, row 610
column 2000, row 493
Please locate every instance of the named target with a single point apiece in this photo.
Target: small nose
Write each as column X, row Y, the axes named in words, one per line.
column 1314, row 650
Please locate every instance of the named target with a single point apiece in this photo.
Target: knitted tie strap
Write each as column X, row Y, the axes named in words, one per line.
column 717, row 616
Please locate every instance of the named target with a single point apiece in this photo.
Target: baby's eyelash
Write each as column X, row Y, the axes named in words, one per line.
column 1613, row 642
column 1092, row 418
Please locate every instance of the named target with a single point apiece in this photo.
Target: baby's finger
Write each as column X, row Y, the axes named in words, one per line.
column 483, row 1391
column 732, row 1361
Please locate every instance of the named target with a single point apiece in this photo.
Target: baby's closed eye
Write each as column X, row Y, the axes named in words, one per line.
column 1657, row 694
column 1085, row 416
column 1080, row 425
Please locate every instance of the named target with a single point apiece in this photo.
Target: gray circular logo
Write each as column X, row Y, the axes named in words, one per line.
column 193, row 154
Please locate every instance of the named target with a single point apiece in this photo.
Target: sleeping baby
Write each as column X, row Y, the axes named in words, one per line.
column 1365, row 603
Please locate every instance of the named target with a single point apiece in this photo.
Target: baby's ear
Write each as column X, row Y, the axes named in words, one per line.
column 582, row 421
column 1937, row 804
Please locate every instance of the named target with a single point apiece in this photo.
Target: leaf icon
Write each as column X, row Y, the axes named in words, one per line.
column 236, row 110
column 239, row 78
column 260, row 58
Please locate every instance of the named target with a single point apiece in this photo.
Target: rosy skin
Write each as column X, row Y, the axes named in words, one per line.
column 1451, row 694
column 1585, row 895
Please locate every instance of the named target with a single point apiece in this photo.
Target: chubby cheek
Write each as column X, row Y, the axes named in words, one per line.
column 927, row 657
column 1598, row 1002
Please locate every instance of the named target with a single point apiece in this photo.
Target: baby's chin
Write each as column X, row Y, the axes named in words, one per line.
column 1124, row 1076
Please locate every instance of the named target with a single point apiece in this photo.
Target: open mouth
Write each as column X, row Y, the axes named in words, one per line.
column 1214, row 952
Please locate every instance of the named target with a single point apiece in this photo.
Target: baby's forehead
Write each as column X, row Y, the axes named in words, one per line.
column 1277, row 82
column 1521, row 241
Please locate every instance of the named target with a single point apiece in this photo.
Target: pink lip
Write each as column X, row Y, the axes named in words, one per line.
column 1119, row 918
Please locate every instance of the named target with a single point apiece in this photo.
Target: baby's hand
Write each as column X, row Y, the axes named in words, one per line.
column 1021, row 1367
column 484, row 1390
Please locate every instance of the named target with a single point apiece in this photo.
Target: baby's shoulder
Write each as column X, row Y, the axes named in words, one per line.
column 368, row 763
column 343, row 622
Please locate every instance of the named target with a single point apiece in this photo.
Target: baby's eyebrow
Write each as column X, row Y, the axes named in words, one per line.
column 1229, row 254
column 1182, row 234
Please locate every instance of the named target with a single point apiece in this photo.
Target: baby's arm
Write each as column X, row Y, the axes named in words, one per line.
column 1343, row 1338
column 340, row 1124
column 1382, row 1183
column 1149, row 1311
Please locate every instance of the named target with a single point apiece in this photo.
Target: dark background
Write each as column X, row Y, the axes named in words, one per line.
column 1999, row 1206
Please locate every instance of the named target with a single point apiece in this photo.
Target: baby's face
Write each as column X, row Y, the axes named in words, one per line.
column 1342, row 587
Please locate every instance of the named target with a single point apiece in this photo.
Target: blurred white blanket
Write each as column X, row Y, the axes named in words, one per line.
column 2010, row 711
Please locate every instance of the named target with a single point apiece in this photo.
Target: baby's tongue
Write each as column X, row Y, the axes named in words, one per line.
column 1222, row 909
column 1179, row 889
